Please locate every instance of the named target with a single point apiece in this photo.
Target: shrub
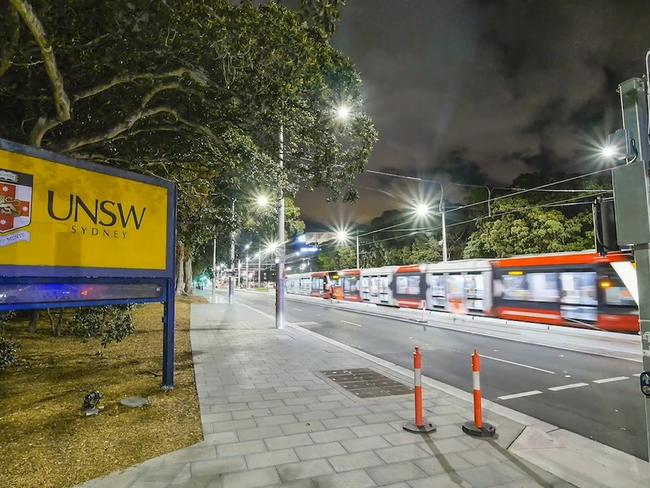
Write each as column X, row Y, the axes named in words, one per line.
column 108, row 323
column 5, row 318
column 8, row 355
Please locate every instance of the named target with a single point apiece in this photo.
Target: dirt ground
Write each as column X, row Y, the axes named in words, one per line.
column 45, row 440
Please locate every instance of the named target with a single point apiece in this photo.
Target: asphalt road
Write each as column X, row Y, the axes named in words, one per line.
column 594, row 396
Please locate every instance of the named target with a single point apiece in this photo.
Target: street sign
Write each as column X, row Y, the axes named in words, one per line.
column 75, row 233
column 58, row 213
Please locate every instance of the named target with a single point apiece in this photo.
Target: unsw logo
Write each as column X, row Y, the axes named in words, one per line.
column 15, row 206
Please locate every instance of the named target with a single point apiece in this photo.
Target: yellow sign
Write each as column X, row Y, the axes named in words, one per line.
column 53, row 214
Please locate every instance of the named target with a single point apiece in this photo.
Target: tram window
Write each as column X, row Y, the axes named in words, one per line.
column 579, row 287
column 350, row 284
column 374, row 286
column 542, row 287
column 514, row 287
column 408, row 285
column 474, row 286
column 455, row 286
column 384, row 284
column 616, row 293
column 438, row 285
column 365, row 283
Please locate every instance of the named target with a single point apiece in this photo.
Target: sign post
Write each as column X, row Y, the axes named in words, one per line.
column 76, row 234
column 631, row 183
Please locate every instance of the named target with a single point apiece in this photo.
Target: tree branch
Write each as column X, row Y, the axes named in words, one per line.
column 125, row 125
column 61, row 100
column 195, row 75
column 6, row 60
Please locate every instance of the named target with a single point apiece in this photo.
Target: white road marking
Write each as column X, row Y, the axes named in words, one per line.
column 609, row 380
column 567, row 387
column 517, row 364
column 351, row 323
column 519, row 395
column 298, row 309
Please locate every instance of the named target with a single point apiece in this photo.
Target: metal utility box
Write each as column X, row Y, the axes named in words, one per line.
column 631, row 203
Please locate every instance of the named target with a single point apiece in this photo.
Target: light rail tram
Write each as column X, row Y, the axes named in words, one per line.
column 577, row 289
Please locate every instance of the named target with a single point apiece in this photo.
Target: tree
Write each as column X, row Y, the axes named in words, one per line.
column 194, row 92
column 342, row 257
column 517, row 227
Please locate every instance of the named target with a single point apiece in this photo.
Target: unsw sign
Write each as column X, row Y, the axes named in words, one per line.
column 65, row 213
column 74, row 233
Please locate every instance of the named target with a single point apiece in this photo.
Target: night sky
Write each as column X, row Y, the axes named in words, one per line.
column 480, row 91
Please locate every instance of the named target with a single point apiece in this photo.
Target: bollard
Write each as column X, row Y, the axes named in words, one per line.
column 478, row 428
column 419, row 425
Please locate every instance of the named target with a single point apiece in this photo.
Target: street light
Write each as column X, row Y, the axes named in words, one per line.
column 441, row 204
column 262, row 200
column 608, row 152
column 422, row 209
column 343, row 112
column 342, row 235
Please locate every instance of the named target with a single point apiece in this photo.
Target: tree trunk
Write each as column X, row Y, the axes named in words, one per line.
column 57, row 325
column 33, row 321
column 180, row 269
column 188, row 274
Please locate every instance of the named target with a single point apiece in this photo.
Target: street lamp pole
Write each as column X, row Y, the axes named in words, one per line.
column 279, row 288
column 358, row 265
column 214, row 267
column 444, row 223
column 231, row 265
column 259, row 267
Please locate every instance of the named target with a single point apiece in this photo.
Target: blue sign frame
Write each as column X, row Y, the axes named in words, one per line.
column 35, row 275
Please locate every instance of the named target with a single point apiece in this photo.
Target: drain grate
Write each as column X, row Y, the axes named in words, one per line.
column 366, row 383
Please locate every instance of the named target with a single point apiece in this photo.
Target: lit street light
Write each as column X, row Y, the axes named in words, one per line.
column 608, row 152
column 422, row 209
column 343, row 112
column 343, row 236
column 262, row 200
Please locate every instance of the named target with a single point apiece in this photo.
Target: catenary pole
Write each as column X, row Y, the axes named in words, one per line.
column 279, row 288
column 358, row 265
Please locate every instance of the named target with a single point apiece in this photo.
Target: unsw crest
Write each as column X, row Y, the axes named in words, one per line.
column 15, row 205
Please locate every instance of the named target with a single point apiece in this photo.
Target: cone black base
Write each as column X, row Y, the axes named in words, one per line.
column 488, row 430
column 425, row 428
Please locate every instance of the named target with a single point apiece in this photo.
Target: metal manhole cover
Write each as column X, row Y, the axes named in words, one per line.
column 366, row 383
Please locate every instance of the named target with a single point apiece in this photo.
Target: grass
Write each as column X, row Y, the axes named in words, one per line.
column 45, row 440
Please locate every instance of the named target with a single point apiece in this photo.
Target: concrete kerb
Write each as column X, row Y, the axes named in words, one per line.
column 608, row 344
column 576, row 459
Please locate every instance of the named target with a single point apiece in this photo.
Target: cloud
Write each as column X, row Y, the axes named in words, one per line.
column 511, row 86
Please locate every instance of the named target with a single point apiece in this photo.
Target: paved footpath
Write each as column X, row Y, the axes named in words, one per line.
column 270, row 418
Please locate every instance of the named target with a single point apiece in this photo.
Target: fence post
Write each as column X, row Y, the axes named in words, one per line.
column 419, row 425
column 478, row 428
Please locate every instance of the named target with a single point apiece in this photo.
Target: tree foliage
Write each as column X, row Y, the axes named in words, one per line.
column 195, row 92
column 519, row 228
